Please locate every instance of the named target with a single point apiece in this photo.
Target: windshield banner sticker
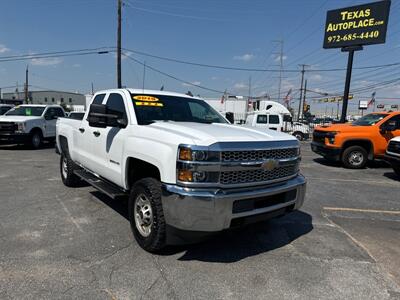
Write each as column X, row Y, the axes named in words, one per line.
column 149, row 104
column 145, row 98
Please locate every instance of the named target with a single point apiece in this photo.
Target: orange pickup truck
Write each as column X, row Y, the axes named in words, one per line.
column 355, row 143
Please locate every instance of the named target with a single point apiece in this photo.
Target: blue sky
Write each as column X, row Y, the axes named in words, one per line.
column 222, row 32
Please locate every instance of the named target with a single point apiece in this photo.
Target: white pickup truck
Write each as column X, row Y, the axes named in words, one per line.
column 187, row 171
column 30, row 124
column 392, row 154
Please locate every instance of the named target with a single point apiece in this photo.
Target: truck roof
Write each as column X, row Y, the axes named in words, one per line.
column 151, row 92
column 40, row 105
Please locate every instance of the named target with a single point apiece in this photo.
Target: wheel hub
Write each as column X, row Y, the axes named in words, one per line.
column 143, row 215
column 64, row 167
column 356, row 158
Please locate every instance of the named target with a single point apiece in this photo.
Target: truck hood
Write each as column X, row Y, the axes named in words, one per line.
column 18, row 118
column 207, row 134
column 344, row 128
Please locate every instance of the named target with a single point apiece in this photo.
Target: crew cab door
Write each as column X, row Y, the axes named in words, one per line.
column 87, row 143
column 102, row 148
column 50, row 119
column 114, row 138
column 385, row 137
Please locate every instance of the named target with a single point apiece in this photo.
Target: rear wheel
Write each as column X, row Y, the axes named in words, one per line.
column 146, row 215
column 354, row 157
column 299, row 135
column 67, row 167
column 36, row 139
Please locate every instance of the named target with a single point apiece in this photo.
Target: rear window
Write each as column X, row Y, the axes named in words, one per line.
column 28, row 111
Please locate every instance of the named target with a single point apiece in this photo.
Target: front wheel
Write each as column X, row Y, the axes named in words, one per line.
column 36, row 140
column 146, row 215
column 354, row 157
column 299, row 135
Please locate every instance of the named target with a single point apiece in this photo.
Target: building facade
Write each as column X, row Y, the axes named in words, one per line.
column 49, row 97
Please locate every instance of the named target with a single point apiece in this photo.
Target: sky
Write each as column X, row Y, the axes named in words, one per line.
column 235, row 33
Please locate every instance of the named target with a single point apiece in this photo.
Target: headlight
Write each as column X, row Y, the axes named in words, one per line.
column 331, row 137
column 188, row 154
column 21, row 127
column 192, row 176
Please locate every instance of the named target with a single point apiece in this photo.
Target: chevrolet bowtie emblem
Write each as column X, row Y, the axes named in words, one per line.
column 270, row 164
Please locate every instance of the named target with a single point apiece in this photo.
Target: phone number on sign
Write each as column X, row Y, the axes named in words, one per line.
column 352, row 36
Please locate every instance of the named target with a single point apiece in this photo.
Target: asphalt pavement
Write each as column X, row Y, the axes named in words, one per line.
column 63, row 243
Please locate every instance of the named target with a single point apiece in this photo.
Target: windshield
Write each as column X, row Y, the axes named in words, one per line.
column 170, row 108
column 35, row 111
column 369, row 120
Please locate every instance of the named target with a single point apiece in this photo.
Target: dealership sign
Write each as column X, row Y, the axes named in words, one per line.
column 363, row 104
column 357, row 25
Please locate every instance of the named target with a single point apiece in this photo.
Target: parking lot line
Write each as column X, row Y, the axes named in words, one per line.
column 353, row 180
column 391, row 212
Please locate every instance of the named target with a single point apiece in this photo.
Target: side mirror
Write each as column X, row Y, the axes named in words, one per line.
column 97, row 115
column 230, row 117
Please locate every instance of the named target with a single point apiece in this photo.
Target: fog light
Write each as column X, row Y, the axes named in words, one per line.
column 199, row 176
column 185, row 175
column 185, row 154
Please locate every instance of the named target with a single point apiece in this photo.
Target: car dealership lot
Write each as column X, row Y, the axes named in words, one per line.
column 68, row 243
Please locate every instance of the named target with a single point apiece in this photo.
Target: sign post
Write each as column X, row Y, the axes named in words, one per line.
column 352, row 27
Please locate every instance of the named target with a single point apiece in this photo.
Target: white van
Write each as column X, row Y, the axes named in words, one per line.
column 277, row 117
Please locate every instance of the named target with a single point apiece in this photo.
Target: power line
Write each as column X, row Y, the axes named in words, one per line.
column 174, row 77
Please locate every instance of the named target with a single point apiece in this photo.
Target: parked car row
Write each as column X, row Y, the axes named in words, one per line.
column 374, row 136
column 31, row 124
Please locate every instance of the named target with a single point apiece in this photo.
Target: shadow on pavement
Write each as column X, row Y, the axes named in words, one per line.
column 235, row 244
column 15, row 147
column 391, row 175
column 326, row 162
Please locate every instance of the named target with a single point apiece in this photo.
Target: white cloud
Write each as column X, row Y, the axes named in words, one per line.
column 278, row 58
column 52, row 61
column 3, row 48
column 76, row 65
column 192, row 83
column 244, row 57
column 240, row 86
column 316, row 77
column 214, row 78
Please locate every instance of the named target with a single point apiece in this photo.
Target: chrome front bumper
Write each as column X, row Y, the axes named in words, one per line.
column 211, row 210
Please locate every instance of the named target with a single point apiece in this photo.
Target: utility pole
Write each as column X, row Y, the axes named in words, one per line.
column 303, row 66
column 280, row 53
column 144, row 74
column 119, row 81
column 26, row 98
column 304, row 99
column 92, row 89
column 249, row 99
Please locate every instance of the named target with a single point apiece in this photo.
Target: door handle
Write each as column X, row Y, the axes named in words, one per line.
column 96, row 133
column 82, row 130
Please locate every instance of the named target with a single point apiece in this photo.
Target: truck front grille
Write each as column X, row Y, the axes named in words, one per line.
column 319, row 136
column 256, row 176
column 258, row 155
column 8, row 127
column 394, row 147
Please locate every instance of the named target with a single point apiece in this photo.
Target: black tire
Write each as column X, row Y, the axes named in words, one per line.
column 150, row 188
column 396, row 170
column 354, row 157
column 36, row 139
column 299, row 135
column 67, row 167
